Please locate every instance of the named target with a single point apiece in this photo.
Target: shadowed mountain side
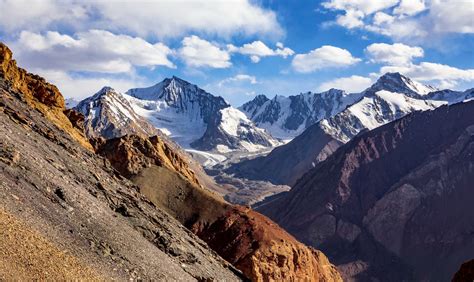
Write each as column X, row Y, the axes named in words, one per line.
column 393, row 203
column 286, row 164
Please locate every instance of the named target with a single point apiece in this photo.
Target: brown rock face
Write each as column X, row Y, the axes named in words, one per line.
column 253, row 243
column 395, row 203
column 39, row 94
column 130, row 154
column 32, row 86
column 264, row 251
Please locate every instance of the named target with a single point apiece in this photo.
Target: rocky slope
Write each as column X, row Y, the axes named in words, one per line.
column 248, row 240
column 391, row 97
column 74, row 209
column 287, row 117
column 382, row 206
column 38, row 93
column 195, row 118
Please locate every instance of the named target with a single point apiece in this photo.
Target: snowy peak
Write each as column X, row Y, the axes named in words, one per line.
column 398, row 83
column 286, row 117
column 109, row 114
column 175, row 92
column 251, row 107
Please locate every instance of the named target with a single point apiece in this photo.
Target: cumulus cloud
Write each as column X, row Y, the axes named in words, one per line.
column 393, row 54
column 238, row 78
column 452, row 16
column 351, row 19
column 158, row 18
column 197, row 52
column 352, row 84
column 405, row 20
column 324, row 57
column 91, row 51
column 410, row 7
column 258, row 49
column 438, row 74
column 365, row 6
column 39, row 14
column 80, row 87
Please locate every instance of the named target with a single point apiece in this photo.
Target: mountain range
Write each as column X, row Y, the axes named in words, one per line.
column 391, row 97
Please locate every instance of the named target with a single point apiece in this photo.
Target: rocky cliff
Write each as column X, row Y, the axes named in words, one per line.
column 38, row 93
column 248, row 240
column 395, row 202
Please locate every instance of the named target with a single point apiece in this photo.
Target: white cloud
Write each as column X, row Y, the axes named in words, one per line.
column 365, row 6
column 223, row 18
column 91, row 51
column 324, row 57
column 39, row 14
column 410, row 7
column 393, row 54
column 258, row 49
column 438, row 74
column 381, row 18
column 197, row 52
column 238, row 78
column 81, row 87
column 351, row 19
column 351, row 84
column 403, row 20
column 452, row 16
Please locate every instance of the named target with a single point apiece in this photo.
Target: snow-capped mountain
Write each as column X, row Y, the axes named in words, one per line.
column 109, row 114
column 391, row 97
column 398, row 83
column 197, row 119
column 286, row 117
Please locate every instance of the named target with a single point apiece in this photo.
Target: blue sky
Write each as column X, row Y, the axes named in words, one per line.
column 240, row 48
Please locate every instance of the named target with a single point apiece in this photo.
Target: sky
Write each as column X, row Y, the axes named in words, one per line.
column 240, row 48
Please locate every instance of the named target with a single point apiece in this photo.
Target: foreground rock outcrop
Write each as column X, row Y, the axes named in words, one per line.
column 39, row 94
column 251, row 242
column 78, row 217
column 395, row 203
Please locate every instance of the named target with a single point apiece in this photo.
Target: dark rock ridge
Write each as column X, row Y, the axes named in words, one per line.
column 79, row 206
column 394, row 203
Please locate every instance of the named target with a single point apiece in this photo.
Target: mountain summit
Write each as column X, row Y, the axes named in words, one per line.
column 188, row 114
column 398, row 83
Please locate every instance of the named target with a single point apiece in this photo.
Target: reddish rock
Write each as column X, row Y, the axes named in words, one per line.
column 250, row 241
column 39, row 94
